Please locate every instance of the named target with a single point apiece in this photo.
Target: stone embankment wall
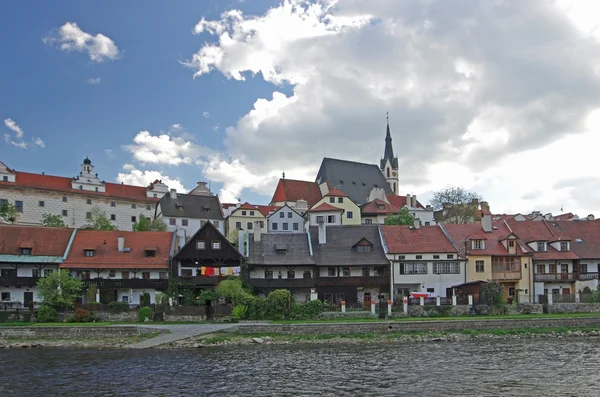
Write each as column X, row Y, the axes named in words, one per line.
column 73, row 332
column 416, row 326
column 574, row 308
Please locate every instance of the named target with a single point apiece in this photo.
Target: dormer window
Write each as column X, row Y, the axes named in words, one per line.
column 478, row 244
column 89, row 253
column 150, row 253
column 363, row 249
column 511, row 243
column 564, row 246
column 25, row 251
column 541, row 247
column 381, row 206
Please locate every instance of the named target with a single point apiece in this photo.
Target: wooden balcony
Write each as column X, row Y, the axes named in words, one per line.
column 131, row 283
column 555, row 277
column 352, row 281
column 14, row 281
column 284, row 283
column 506, row 276
column 201, row 281
column 588, row 276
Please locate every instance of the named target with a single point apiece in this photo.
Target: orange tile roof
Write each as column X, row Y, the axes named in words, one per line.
column 400, row 201
column 336, row 193
column 372, row 208
column 323, row 207
column 108, row 256
column 460, row 233
column 63, row 184
column 267, row 209
column 247, row 206
column 406, row 239
column 293, row 190
column 47, row 241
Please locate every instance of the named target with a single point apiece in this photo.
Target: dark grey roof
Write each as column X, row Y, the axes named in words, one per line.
column 191, row 206
column 264, row 252
column 355, row 179
column 338, row 249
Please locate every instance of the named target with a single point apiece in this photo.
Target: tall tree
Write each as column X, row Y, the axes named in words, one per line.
column 59, row 289
column 99, row 221
column 50, row 220
column 455, row 204
column 8, row 213
column 145, row 224
column 404, row 217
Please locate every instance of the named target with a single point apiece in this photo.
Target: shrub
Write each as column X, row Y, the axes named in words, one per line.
column 118, row 307
column 239, row 312
column 47, row 314
column 306, row 311
column 82, row 316
column 145, row 299
column 90, row 294
column 278, row 303
column 143, row 313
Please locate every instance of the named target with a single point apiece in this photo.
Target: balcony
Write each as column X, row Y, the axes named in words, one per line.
column 285, row 283
column 201, row 281
column 14, row 281
column 506, row 276
column 352, row 281
column 131, row 283
column 588, row 276
column 555, row 277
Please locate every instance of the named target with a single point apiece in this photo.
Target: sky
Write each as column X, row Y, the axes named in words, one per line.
column 500, row 97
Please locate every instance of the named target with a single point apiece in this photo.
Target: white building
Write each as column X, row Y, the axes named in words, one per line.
column 285, row 220
column 324, row 213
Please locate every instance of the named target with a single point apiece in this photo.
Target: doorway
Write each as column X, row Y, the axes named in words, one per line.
column 367, row 301
column 27, row 297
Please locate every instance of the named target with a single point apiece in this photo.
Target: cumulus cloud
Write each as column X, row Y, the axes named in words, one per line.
column 13, row 126
column 206, row 115
column 468, row 85
column 18, row 139
column 94, row 80
column 39, row 142
column 144, row 178
column 70, row 37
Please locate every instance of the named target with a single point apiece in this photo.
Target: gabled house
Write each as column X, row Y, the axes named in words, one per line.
column 185, row 214
column 375, row 212
column 350, row 214
column 423, row 259
column 381, row 206
column 206, row 259
column 324, row 213
column 26, row 254
column 123, row 265
column 278, row 261
column 246, row 217
column 351, row 264
column 299, row 195
column 285, row 220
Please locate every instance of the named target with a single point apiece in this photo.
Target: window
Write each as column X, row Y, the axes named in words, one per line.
column 282, row 215
column 243, row 213
column 65, row 213
column 306, row 274
column 295, row 226
column 368, row 221
column 113, row 204
column 172, row 221
column 540, row 269
column 541, row 246
column 340, row 200
column 427, row 223
column 413, row 268
column 64, row 199
column 249, row 226
column 148, row 207
column 146, row 275
column 291, row 274
column 381, row 206
column 401, row 257
column 200, row 245
column 89, row 253
column 362, row 249
column 511, row 243
column 184, row 222
column 216, row 245
column 88, row 201
column 320, row 219
column 346, row 272
column 418, row 256
column 328, row 298
column 155, row 195
column 125, row 275
column 19, row 206
column 365, row 272
column 564, row 246
column 274, row 226
column 450, row 256
column 6, row 296
column 478, row 244
column 163, row 275
column 330, row 218
column 269, row 274
column 133, row 219
column 186, row 273
column 113, row 217
column 436, row 257
column 583, row 268
column 150, row 253
column 88, row 215
column 332, row 199
column 349, row 214
column 5, row 178
column 133, row 206
column 35, row 272
column 446, row 268
column 25, row 251
column 331, row 271
column 285, row 226
column 289, row 214
column 511, row 291
column 479, row 267
column 41, row 204
column 238, row 225
column 112, row 273
column 251, row 213
column 431, row 290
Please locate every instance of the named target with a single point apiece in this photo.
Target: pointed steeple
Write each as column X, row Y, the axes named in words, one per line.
column 388, row 152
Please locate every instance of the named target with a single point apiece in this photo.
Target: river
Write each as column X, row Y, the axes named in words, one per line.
column 519, row 367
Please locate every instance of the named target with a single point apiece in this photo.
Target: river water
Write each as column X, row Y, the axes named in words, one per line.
column 538, row 367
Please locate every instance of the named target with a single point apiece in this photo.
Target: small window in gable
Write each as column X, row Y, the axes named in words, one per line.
column 200, row 245
column 149, row 253
column 332, row 199
column 381, row 206
column 511, row 243
column 363, row 249
column 216, row 245
column 89, row 253
column 243, row 213
column 478, row 244
column 340, row 200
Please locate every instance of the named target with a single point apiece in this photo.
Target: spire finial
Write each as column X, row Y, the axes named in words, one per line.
column 387, row 117
column 283, row 174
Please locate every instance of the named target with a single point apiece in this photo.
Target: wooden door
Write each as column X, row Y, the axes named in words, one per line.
column 566, row 291
column 564, row 271
column 367, row 301
column 27, row 297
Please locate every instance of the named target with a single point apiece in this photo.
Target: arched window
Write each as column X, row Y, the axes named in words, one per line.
column 388, row 172
column 394, row 187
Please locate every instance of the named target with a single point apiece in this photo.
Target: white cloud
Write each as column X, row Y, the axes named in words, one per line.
column 18, row 139
column 13, row 126
column 128, row 167
column 206, row 115
column 70, row 37
column 39, row 142
column 144, row 178
column 94, row 80
column 469, row 85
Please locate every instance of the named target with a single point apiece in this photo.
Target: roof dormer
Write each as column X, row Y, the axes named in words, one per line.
column 363, row 246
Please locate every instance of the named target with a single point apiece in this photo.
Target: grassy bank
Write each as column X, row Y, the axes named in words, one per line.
column 96, row 343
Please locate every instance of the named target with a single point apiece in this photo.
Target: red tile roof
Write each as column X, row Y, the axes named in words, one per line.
column 63, row 184
column 406, row 239
column 460, row 233
column 400, row 201
column 372, row 208
column 47, row 241
column 267, row 209
column 108, row 256
column 336, row 193
column 247, row 206
column 323, row 207
column 564, row 217
column 293, row 190
column 586, row 235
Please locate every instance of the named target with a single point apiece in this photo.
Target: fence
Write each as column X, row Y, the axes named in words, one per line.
column 566, row 298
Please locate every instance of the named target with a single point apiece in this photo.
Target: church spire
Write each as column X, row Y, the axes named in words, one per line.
column 388, row 152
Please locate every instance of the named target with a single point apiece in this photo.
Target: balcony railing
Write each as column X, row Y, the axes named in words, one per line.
column 285, row 283
column 506, row 275
column 209, row 281
column 588, row 276
column 131, row 283
column 558, row 277
column 14, row 281
column 353, row 280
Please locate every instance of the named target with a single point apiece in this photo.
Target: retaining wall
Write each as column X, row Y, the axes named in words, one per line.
column 574, row 308
column 73, row 332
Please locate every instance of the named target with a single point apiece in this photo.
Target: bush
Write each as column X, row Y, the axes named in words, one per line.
column 306, row 311
column 239, row 312
column 278, row 304
column 118, row 307
column 143, row 313
column 90, row 294
column 145, row 299
column 47, row 314
column 82, row 316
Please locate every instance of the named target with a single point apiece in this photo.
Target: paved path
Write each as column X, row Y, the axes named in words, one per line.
column 178, row 332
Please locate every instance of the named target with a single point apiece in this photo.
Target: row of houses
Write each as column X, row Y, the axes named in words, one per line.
column 354, row 263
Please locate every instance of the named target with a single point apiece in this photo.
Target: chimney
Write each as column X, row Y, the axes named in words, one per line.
column 485, row 206
column 486, row 221
column 322, row 233
column 414, row 199
column 417, row 223
column 408, row 200
column 241, row 241
column 121, row 243
column 257, row 231
column 173, row 194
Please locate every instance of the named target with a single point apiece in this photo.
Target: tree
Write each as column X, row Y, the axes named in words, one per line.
column 455, row 204
column 59, row 289
column 404, row 217
column 145, row 224
column 99, row 221
column 231, row 289
column 8, row 213
column 50, row 220
column 493, row 292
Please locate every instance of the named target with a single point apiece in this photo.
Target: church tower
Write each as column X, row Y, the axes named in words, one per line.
column 389, row 163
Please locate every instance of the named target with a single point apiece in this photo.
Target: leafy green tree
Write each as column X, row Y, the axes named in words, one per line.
column 493, row 292
column 455, row 204
column 231, row 289
column 145, row 224
column 59, row 289
column 404, row 217
column 50, row 220
column 99, row 221
column 8, row 213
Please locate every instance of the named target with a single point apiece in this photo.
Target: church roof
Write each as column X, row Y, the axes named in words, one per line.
column 388, row 152
column 290, row 190
column 353, row 178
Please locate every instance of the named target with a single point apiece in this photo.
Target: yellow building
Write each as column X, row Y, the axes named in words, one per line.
column 244, row 217
column 338, row 199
